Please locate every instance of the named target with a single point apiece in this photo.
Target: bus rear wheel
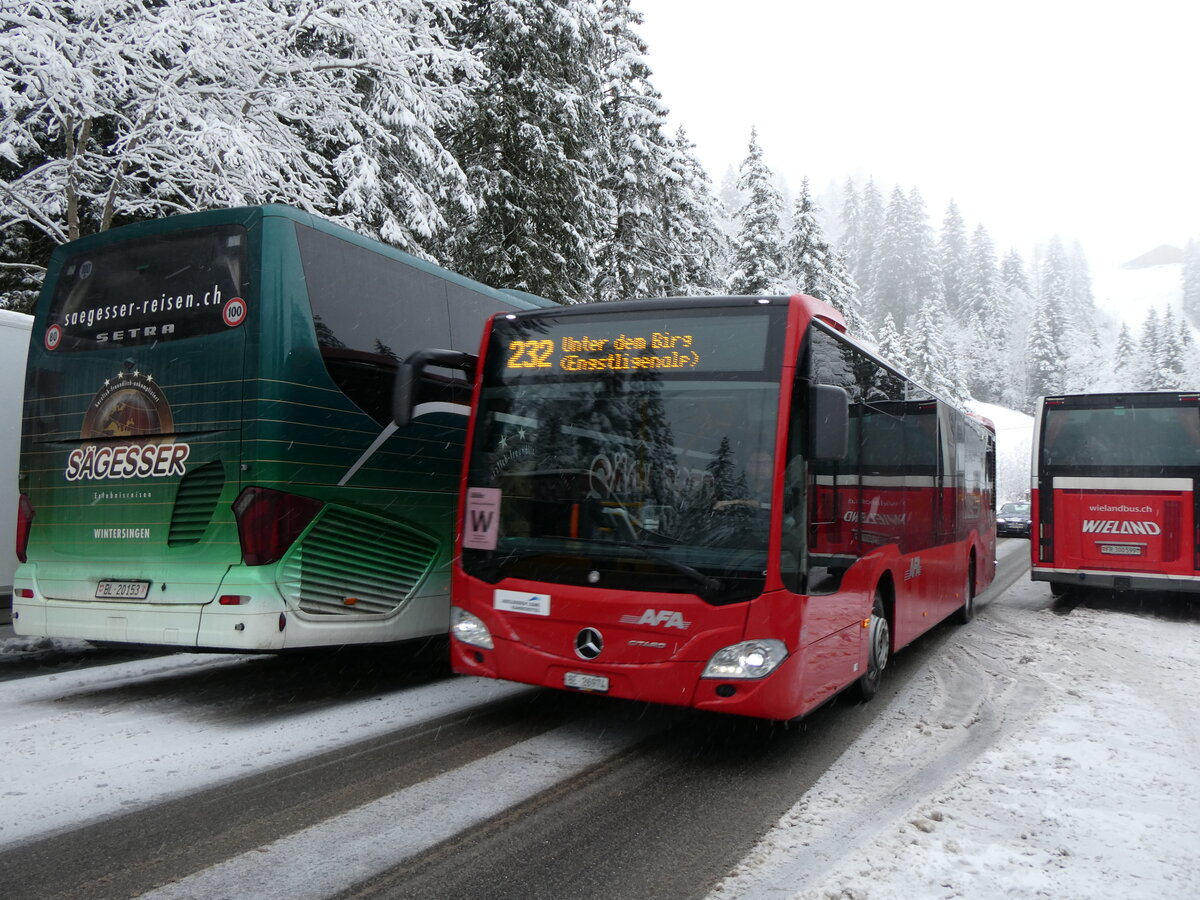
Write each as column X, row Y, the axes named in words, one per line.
column 879, row 639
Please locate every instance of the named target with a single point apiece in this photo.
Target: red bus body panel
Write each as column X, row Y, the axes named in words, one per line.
column 1107, row 538
column 657, row 645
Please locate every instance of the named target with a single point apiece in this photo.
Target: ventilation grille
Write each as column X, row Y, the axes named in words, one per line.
column 353, row 564
column 195, row 502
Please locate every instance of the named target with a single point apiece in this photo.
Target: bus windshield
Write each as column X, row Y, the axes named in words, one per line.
column 1146, row 435
column 614, row 464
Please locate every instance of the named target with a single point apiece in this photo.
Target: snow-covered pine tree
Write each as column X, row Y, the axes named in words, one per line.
column 1079, row 283
column 872, row 215
column 528, row 144
column 1169, row 357
column 121, row 110
column 1012, row 273
column 987, row 326
column 632, row 251
column 1125, row 361
column 980, row 279
column 1044, row 374
column 1148, row 341
column 731, row 199
column 696, row 247
column 931, row 360
column 810, row 267
column 1190, row 354
column 906, row 273
column 852, row 237
column 923, row 252
column 891, row 288
column 1014, row 318
column 1191, row 282
column 1083, row 324
column 1051, row 333
column 891, row 344
column 805, row 252
column 952, row 260
column 1063, row 275
column 758, row 244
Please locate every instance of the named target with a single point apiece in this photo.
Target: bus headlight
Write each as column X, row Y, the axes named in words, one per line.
column 469, row 628
column 749, row 659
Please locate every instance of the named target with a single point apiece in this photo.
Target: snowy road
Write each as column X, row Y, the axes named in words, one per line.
column 1028, row 751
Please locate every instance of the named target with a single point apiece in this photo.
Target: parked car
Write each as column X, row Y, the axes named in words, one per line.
column 1013, row 520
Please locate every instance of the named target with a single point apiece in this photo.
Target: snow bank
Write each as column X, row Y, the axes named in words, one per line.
column 1082, row 781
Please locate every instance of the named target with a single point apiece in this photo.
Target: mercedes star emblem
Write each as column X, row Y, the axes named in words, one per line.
column 588, row 643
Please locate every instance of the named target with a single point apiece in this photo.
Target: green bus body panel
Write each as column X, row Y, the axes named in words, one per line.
column 253, row 404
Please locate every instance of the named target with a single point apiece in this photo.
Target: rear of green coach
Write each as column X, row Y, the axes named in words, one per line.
column 207, row 454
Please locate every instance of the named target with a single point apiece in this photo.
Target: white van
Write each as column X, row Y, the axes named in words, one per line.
column 14, row 347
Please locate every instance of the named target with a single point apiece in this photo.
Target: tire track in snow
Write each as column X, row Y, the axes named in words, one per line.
column 318, row 862
column 971, row 698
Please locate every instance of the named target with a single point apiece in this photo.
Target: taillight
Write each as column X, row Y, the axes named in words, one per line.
column 24, row 522
column 1172, row 522
column 270, row 521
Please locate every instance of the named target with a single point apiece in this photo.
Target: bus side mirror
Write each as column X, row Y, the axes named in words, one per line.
column 828, row 422
column 408, row 378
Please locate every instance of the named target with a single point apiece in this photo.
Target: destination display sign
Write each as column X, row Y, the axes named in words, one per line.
column 578, row 345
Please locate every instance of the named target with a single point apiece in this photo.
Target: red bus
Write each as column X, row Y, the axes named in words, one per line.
column 1114, row 500
column 723, row 503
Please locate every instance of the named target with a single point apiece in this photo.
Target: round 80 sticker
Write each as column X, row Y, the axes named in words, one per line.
column 53, row 337
column 234, row 312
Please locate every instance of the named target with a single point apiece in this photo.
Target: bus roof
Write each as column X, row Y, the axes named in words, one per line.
column 1116, row 398
column 247, row 215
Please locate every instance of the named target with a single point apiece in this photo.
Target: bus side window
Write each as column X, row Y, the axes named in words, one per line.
column 369, row 311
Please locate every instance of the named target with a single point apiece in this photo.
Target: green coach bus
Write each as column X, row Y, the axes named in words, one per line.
column 207, row 453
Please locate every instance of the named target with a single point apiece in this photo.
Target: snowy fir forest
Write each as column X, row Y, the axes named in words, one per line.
column 523, row 144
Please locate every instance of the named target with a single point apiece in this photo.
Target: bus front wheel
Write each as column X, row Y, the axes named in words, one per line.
column 966, row 612
column 879, row 638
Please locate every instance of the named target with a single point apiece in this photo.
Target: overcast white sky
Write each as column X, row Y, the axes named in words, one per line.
column 1039, row 118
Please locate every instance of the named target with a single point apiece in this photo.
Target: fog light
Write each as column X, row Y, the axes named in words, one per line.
column 749, row 659
column 469, row 628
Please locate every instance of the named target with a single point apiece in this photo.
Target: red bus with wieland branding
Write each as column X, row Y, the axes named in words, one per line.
column 1114, row 499
column 723, row 503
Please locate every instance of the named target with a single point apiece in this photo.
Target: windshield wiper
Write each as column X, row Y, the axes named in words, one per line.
column 494, row 564
column 708, row 584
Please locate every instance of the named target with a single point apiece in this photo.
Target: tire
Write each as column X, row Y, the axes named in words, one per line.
column 879, row 637
column 966, row 612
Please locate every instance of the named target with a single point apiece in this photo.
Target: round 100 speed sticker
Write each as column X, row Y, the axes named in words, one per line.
column 234, row 312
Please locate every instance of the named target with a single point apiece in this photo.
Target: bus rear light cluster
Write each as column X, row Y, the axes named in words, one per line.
column 270, row 521
column 24, row 522
column 233, row 600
